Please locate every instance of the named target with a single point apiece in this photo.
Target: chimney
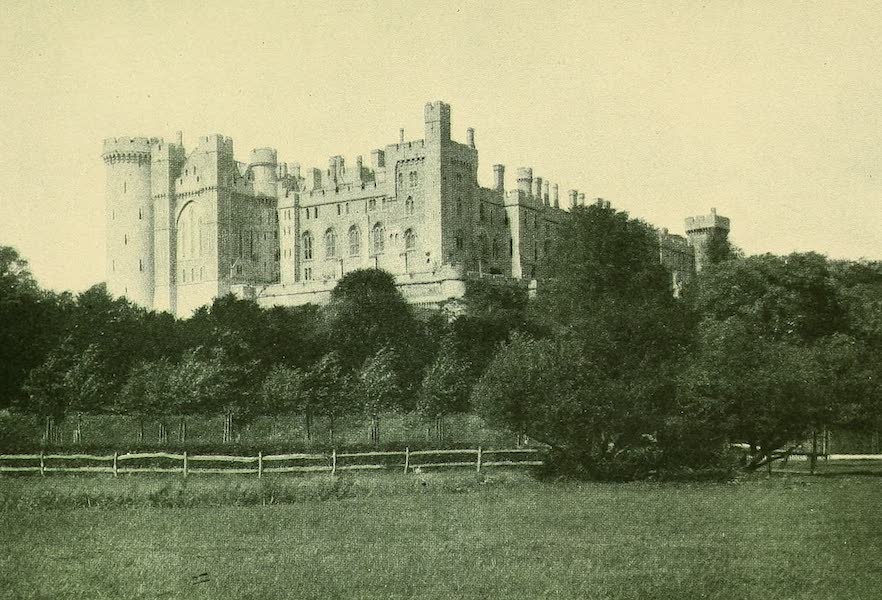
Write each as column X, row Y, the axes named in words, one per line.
column 581, row 199
column 499, row 177
column 378, row 159
column 294, row 170
column 546, row 196
column 180, row 138
column 401, row 135
column 556, row 195
column 315, row 178
column 574, row 198
column 470, row 136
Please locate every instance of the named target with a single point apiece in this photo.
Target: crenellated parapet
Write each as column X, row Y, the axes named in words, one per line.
column 134, row 150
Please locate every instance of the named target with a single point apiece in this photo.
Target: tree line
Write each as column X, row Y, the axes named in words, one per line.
column 616, row 375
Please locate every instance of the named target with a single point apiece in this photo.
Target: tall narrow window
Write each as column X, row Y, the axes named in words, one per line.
column 414, row 179
column 354, row 241
column 306, row 242
column 408, row 206
column 481, row 212
column 378, row 233
column 409, row 240
column 330, row 244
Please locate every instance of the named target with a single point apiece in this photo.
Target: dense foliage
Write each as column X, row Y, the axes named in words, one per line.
column 605, row 367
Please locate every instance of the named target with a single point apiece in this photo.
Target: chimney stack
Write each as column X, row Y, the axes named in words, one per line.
column 499, row 177
column 470, row 136
column 401, row 135
column 556, row 195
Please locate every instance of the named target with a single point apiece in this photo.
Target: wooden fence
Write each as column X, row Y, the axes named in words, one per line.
column 271, row 463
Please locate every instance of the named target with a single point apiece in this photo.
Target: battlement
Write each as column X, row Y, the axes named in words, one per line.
column 711, row 221
column 263, row 157
column 127, row 148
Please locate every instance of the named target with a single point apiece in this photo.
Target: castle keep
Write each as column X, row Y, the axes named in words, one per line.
column 186, row 227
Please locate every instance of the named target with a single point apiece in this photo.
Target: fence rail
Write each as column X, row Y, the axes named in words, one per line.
column 250, row 465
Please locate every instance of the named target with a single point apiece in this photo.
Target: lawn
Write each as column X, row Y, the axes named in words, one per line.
column 790, row 536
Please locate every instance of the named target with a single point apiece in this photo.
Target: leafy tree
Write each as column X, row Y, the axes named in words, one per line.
column 284, row 391
column 367, row 313
column 33, row 323
column 760, row 391
column 330, row 390
column 377, row 388
column 445, row 388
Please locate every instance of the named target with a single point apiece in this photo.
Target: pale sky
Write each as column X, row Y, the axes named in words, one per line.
column 769, row 111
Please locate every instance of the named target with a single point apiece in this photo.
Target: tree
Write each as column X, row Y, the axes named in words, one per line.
column 367, row 313
column 284, row 391
column 445, row 388
column 596, row 387
column 330, row 390
column 33, row 323
column 377, row 388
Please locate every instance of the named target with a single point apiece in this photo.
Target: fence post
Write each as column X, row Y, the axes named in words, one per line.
column 406, row 459
column 186, row 465
column 479, row 459
column 115, row 467
column 259, row 465
column 42, row 464
column 334, row 461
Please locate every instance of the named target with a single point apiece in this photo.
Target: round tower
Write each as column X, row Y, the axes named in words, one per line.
column 263, row 168
column 129, row 219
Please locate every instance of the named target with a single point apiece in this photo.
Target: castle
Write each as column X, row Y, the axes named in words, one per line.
column 186, row 227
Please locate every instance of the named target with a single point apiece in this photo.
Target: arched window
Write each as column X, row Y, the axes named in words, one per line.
column 485, row 249
column 378, row 233
column 400, row 180
column 330, row 244
column 190, row 232
column 354, row 241
column 408, row 205
column 414, row 179
column 409, row 240
column 306, row 243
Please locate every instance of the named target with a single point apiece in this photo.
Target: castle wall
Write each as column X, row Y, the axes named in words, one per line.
column 184, row 229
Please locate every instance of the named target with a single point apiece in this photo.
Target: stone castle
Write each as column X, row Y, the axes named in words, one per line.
column 186, row 227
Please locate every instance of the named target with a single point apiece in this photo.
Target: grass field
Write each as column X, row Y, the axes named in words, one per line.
column 789, row 536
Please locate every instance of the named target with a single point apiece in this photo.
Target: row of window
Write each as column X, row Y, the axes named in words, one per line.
column 312, row 212
column 377, row 241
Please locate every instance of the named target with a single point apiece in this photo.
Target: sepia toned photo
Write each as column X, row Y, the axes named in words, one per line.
column 418, row 300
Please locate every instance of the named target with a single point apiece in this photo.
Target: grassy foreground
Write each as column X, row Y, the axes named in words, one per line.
column 788, row 537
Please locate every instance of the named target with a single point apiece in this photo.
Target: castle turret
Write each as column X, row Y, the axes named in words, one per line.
column 262, row 163
column 525, row 180
column 437, row 122
column 700, row 230
column 470, row 137
column 129, row 219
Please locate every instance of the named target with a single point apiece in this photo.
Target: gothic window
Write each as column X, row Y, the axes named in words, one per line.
column 306, row 242
column 409, row 240
column 372, row 204
column 414, row 179
column 330, row 244
column 408, row 206
column 378, row 233
column 354, row 241
column 190, row 232
column 307, row 273
column 400, row 180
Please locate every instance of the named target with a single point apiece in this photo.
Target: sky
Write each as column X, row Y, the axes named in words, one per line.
column 769, row 111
